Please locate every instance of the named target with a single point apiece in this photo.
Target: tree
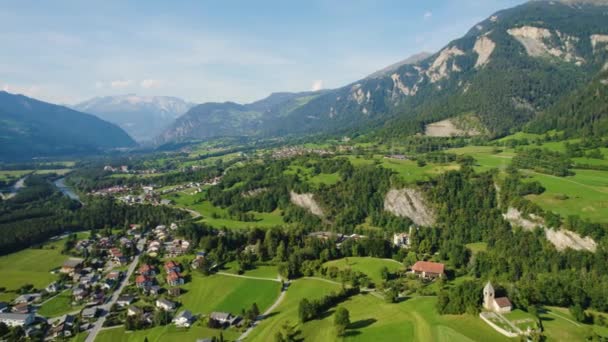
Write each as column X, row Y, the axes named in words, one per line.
column 286, row 334
column 341, row 320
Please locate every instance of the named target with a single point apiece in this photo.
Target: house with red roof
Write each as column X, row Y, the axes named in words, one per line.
column 172, row 266
column 174, row 279
column 143, row 281
column 429, row 269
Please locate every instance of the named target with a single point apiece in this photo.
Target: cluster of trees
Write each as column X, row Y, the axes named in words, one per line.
column 544, row 161
column 314, row 308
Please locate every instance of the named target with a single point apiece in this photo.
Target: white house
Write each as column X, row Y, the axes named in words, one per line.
column 166, row 305
column 183, row 319
column 14, row 319
column 490, row 303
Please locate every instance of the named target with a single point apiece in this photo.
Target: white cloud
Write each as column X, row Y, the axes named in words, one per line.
column 316, row 85
column 147, row 84
column 31, row 91
column 120, row 83
column 428, row 14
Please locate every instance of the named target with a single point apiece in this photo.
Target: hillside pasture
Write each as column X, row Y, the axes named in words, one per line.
column 30, row 266
column 167, row 333
column 584, row 194
column 227, row 293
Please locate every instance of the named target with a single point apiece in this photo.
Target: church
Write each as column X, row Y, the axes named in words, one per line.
column 490, row 303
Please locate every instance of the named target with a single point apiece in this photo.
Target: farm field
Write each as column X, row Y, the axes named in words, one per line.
column 226, row 293
column 584, row 194
column 168, row 333
column 58, row 305
column 30, row 266
column 368, row 265
column 222, row 219
column 14, row 174
column 477, row 247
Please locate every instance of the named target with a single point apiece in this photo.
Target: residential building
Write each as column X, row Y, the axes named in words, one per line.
column 429, row 269
column 71, row 266
column 142, row 281
column 224, row 318
column 183, row 319
column 28, row 298
column 134, row 311
column 125, row 300
column 174, row 279
column 16, row 319
column 21, row 308
column 53, row 287
column 172, row 266
column 89, row 313
column 165, row 304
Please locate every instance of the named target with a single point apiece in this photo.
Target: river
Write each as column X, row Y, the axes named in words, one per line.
column 66, row 190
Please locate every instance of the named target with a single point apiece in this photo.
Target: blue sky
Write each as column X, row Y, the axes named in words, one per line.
column 68, row 51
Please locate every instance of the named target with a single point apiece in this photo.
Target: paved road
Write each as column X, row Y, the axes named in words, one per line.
column 106, row 307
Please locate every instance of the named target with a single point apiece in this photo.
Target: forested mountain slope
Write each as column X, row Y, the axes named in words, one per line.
column 31, row 128
column 501, row 74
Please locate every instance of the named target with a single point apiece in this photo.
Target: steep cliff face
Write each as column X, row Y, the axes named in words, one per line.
column 409, row 203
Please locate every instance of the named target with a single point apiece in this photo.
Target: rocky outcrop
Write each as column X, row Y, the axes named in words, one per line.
column 409, row 203
column 562, row 239
column 447, row 128
column 307, row 202
column 484, row 47
column 538, row 43
column 440, row 68
column 599, row 39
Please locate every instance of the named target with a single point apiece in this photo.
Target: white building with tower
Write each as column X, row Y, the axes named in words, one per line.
column 491, row 303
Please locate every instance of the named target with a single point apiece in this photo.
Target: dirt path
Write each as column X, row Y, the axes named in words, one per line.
column 264, row 315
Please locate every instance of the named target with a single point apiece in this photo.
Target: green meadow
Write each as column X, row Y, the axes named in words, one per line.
column 367, row 265
column 167, row 333
column 219, row 217
column 59, row 305
column 584, row 194
column 260, row 271
column 227, row 293
column 30, row 266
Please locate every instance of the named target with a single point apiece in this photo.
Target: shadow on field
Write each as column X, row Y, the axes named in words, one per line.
column 362, row 323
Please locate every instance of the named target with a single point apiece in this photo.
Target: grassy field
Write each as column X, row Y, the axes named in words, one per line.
column 560, row 326
column 374, row 320
column 584, row 194
column 58, row 305
column 222, row 219
column 14, row 174
column 226, row 293
column 486, row 157
column 409, row 171
column 288, row 309
column 168, row 333
column 30, row 266
column 367, row 265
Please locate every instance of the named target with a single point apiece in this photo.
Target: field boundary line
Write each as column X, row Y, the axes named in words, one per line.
column 277, row 279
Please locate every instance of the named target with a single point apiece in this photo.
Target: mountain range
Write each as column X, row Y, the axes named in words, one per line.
column 143, row 117
column 30, row 128
column 501, row 76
